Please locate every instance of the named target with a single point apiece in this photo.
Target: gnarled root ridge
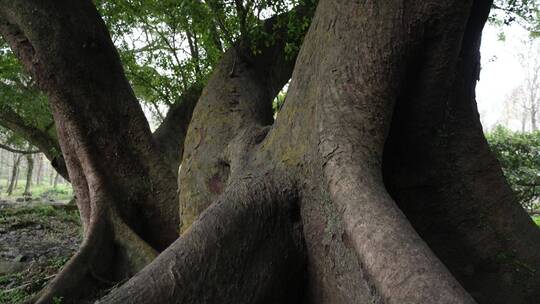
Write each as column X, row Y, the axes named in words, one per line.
column 245, row 248
column 111, row 252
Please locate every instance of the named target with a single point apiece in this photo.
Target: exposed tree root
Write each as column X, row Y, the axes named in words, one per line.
column 350, row 88
column 111, row 252
column 245, row 248
column 79, row 277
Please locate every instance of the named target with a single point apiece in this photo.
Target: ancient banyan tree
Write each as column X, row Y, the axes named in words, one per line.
column 373, row 184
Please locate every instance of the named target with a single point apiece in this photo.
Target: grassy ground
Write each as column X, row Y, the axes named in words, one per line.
column 62, row 192
column 36, row 240
column 536, row 219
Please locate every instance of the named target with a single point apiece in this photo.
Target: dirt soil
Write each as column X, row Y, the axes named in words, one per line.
column 36, row 239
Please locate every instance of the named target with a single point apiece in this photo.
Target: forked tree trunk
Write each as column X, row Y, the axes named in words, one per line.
column 297, row 210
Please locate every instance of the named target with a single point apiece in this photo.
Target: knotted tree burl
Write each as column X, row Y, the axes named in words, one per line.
column 374, row 184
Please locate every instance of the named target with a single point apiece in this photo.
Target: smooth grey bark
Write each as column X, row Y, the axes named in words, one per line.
column 170, row 135
column 248, row 244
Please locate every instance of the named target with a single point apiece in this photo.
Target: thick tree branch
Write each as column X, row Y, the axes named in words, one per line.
column 10, row 149
column 37, row 137
column 170, row 135
column 238, row 96
column 93, row 100
column 126, row 193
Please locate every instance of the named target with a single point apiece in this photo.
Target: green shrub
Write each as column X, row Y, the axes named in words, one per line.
column 519, row 155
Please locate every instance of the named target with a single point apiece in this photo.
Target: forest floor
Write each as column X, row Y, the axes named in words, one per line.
column 37, row 237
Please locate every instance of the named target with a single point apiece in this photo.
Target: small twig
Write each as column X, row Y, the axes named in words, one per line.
column 10, row 149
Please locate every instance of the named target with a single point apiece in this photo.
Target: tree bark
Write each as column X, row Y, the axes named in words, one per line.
column 170, row 135
column 29, row 172
column 14, row 174
column 55, row 181
column 261, row 264
column 296, row 210
column 16, row 179
column 237, row 97
column 439, row 168
column 126, row 192
column 358, row 62
column 39, row 138
column 39, row 173
column 114, row 165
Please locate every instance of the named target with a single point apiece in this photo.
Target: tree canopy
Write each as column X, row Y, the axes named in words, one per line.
column 169, row 48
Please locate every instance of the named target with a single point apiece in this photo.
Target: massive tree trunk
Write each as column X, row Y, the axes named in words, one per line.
column 357, row 63
column 440, row 170
column 122, row 174
column 374, row 185
column 125, row 192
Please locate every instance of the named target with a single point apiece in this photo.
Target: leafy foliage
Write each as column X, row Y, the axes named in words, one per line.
column 169, row 46
column 524, row 12
column 519, row 155
column 19, row 95
column 166, row 48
